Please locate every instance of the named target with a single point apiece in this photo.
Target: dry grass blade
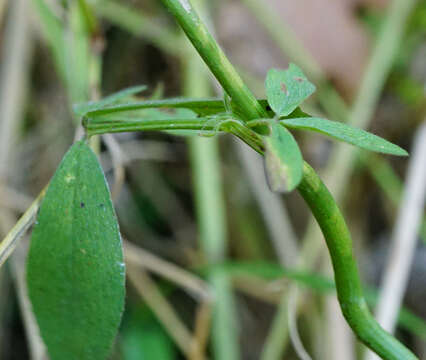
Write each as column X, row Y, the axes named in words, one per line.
column 292, row 325
column 162, row 309
column 137, row 256
column 36, row 345
column 27, row 219
column 404, row 238
column 118, row 160
column 202, row 330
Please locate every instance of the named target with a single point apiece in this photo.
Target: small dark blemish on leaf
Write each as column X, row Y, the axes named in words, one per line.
column 82, row 205
column 284, row 88
column 101, row 205
column 299, row 79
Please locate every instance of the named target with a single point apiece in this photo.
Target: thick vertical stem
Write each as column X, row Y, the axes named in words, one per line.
column 215, row 59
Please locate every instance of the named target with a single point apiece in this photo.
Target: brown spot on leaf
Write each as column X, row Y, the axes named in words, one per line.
column 298, row 79
column 284, row 88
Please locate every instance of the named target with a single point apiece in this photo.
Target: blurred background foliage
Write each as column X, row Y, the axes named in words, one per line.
column 211, row 253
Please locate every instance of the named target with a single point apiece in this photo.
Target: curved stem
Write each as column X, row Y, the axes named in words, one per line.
column 348, row 285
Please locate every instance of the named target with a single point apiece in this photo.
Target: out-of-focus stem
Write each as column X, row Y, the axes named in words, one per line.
column 209, row 198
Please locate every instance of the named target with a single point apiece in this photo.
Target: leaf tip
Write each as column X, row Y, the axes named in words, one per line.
column 402, row 152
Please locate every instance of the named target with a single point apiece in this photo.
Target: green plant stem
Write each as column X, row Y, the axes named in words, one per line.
column 315, row 194
column 96, row 126
column 215, row 59
column 348, row 285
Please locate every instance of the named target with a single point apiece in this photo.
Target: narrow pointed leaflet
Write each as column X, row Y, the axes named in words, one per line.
column 346, row 133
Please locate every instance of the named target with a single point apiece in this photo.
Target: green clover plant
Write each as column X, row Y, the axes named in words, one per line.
column 75, row 263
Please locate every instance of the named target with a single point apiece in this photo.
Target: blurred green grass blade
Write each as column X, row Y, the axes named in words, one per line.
column 287, row 89
column 69, row 41
column 411, row 322
column 209, row 196
column 89, row 19
column 271, row 271
column 75, row 268
column 78, row 54
column 53, row 30
column 283, row 160
column 138, row 24
column 346, row 133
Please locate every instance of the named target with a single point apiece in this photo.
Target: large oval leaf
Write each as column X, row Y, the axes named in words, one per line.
column 346, row 133
column 283, row 160
column 75, row 268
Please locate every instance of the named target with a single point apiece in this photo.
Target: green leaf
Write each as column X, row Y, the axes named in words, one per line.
column 201, row 107
column 113, row 99
column 346, row 133
column 75, row 269
column 123, row 94
column 283, row 160
column 287, row 89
